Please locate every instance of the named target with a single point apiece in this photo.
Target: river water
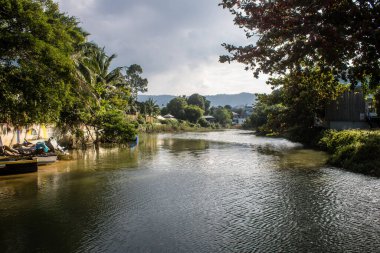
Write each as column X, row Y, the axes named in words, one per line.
column 226, row 191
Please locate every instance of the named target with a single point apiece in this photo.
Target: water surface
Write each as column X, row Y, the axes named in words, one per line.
column 226, row 191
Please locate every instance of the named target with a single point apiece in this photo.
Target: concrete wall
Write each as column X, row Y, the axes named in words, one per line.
column 350, row 106
column 347, row 112
column 11, row 135
column 342, row 125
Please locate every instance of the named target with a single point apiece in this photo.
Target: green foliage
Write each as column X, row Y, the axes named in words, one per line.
column 223, row 116
column 292, row 108
column 164, row 110
column 305, row 95
column 339, row 36
column 268, row 113
column 36, row 69
column 198, row 100
column 193, row 113
column 150, row 107
column 136, row 83
column 115, row 127
column 50, row 74
column 177, row 106
column 356, row 150
column 204, row 123
column 168, row 126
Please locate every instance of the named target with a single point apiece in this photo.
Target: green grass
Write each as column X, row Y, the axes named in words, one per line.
column 355, row 150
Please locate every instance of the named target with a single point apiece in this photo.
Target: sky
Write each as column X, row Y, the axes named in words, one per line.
column 177, row 43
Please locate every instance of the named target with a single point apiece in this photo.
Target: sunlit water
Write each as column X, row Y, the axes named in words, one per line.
column 192, row 192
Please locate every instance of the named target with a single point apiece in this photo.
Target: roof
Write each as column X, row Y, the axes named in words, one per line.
column 168, row 116
column 208, row 117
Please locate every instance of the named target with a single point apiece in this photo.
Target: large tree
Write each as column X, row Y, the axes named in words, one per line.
column 150, row 107
column 339, row 36
column 223, row 116
column 36, row 69
column 136, row 84
column 196, row 99
column 193, row 113
column 177, row 106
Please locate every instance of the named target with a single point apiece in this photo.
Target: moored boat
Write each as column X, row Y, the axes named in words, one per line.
column 18, row 167
column 43, row 160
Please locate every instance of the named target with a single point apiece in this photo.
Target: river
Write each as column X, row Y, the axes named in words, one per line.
column 225, row 191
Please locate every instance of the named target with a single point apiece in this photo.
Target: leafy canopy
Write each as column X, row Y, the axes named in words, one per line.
column 36, row 69
column 339, row 36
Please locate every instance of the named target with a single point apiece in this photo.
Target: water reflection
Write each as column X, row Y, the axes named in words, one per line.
column 191, row 192
column 302, row 158
column 193, row 147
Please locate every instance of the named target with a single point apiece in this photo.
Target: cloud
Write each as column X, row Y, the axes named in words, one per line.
column 177, row 42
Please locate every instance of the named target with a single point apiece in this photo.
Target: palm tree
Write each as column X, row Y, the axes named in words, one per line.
column 151, row 108
column 93, row 66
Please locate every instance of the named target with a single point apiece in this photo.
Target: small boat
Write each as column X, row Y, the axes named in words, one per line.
column 134, row 143
column 43, row 160
column 18, row 167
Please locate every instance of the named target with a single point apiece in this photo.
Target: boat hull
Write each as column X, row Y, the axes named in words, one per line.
column 43, row 160
column 18, row 167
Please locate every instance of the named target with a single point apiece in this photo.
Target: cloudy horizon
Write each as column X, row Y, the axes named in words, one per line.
column 177, row 43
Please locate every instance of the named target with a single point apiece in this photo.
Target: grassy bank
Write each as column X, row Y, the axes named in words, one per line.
column 354, row 150
column 174, row 126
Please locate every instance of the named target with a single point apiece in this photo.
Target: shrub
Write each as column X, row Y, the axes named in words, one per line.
column 203, row 122
column 356, row 150
column 116, row 128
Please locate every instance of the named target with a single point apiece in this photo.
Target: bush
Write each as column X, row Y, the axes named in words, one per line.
column 116, row 129
column 203, row 122
column 356, row 150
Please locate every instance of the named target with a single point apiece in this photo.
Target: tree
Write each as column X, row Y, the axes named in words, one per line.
column 337, row 36
column 116, row 128
column 198, row 100
column 193, row 113
column 177, row 106
column 102, row 91
column 135, row 82
column 268, row 113
column 292, row 108
column 164, row 111
column 228, row 107
column 305, row 94
column 93, row 66
column 222, row 116
column 36, row 69
column 151, row 108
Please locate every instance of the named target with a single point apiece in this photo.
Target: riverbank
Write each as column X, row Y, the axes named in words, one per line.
column 353, row 150
column 176, row 126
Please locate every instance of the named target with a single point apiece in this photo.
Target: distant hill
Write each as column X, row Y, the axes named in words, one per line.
column 235, row 100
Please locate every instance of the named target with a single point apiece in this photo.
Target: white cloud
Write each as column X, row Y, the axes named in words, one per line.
column 177, row 42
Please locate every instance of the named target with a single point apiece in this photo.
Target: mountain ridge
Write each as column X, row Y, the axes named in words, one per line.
column 235, row 100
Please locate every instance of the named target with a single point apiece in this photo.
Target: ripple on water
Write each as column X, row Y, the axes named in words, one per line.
column 194, row 192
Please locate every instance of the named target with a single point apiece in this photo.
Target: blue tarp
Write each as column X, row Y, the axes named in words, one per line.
column 42, row 145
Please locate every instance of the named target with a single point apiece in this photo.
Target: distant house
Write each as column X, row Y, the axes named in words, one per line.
column 248, row 110
column 349, row 111
column 235, row 118
column 209, row 118
column 169, row 116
